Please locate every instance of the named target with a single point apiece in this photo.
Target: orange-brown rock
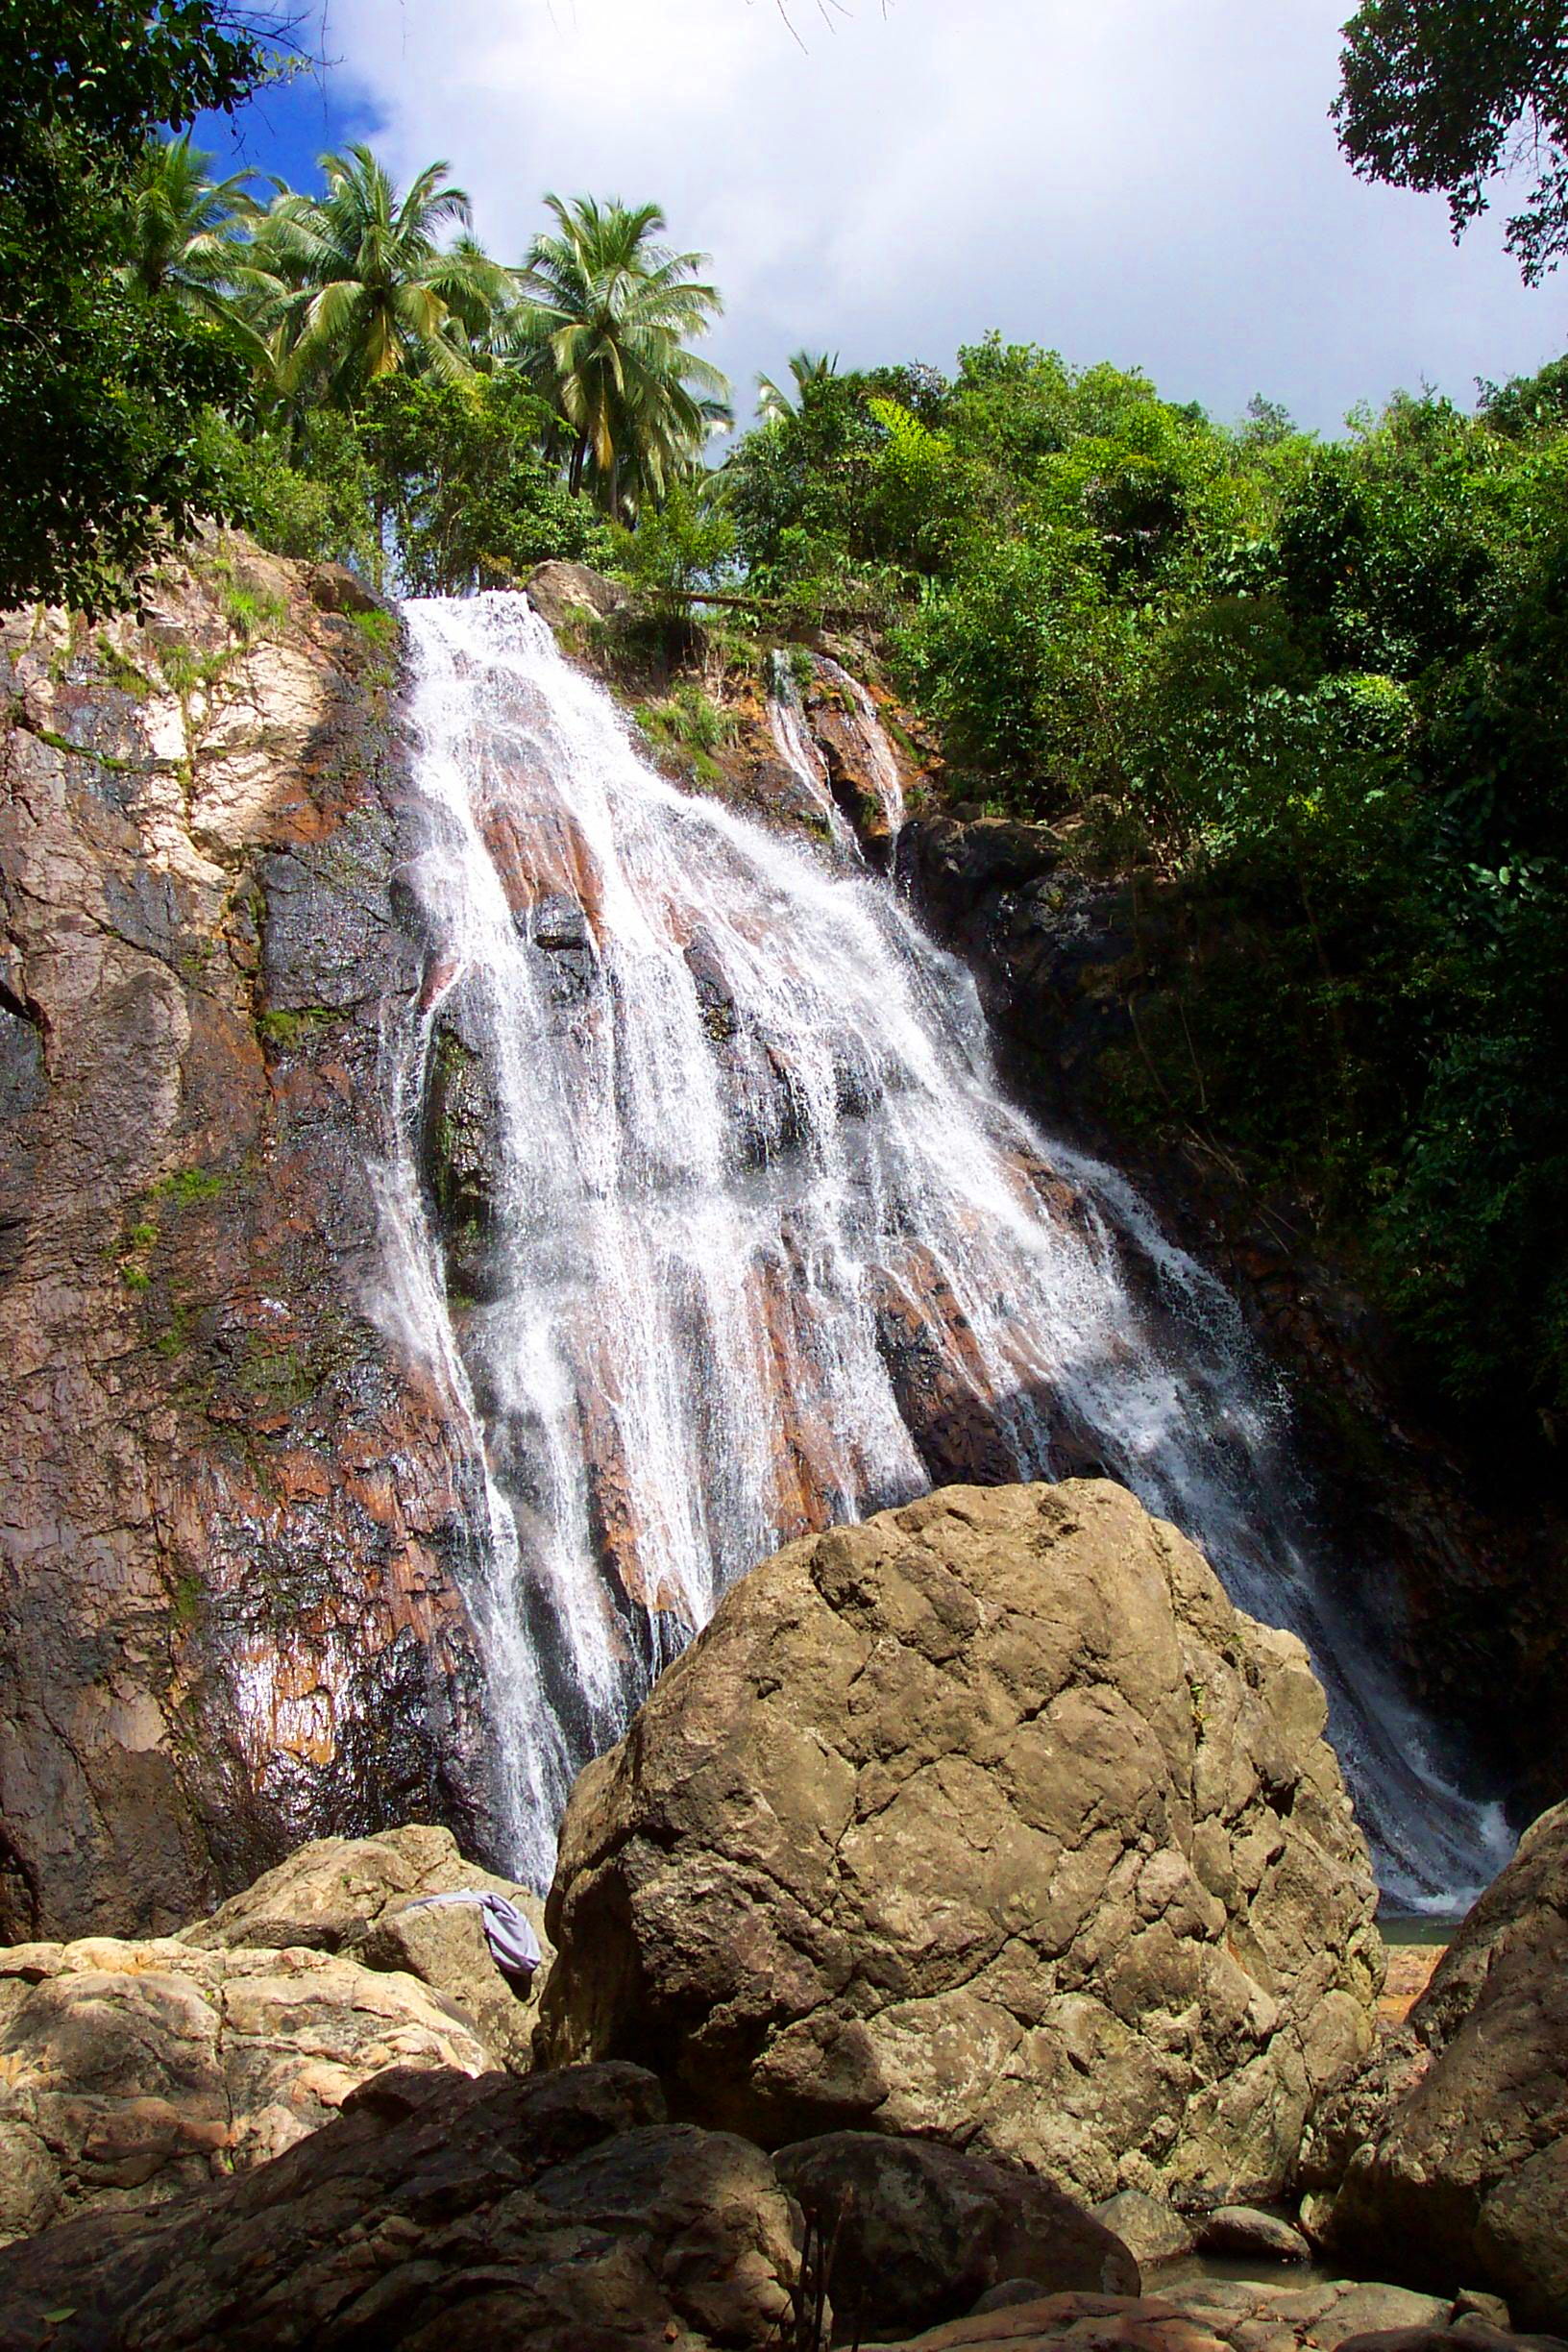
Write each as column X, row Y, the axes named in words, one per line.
column 1200, row 2315
column 1461, row 2177
column 231, row 1539
column 131, row 2072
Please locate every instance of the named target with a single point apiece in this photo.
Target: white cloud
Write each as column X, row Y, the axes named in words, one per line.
column 1149, row 181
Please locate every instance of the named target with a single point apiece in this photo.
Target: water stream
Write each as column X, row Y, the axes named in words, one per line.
column 764, row 1245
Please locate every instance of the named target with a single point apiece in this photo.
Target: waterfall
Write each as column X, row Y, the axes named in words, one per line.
column 751, row 1242
column 787, row 723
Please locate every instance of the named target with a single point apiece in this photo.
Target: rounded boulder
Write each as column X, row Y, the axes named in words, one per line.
column 989, row 1821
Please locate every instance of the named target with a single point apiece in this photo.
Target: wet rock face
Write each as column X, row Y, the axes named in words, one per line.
column 1470, row 1590
column 989, row 1821
column 1050, row 945
column 860, row 765
column 232, row 1541
column 440, row 2215
column 462, row 1154
column 1462, row 2177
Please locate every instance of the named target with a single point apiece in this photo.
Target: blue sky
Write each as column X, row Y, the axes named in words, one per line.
column 1153, row 182
column 286, row 129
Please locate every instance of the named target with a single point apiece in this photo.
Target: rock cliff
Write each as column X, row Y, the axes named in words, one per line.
column 238, row 1524
column 231, row 1539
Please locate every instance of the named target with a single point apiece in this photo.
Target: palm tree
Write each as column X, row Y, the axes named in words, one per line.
column 602, row 327
column 809, row 370
column 354, row 285
column 186, row 233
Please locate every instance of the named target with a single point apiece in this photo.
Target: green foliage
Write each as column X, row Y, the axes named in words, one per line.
column 801, row 488
column 111, row 70
column 354, row 286
column 1528, row 405
column 280, row 1376
column 603, row 330
column 184, row 236
column 285, row 1028
column 188, row 1184
column 683, row 546
column 377, row 627
column 103, row 388
column 459, row 476
column 174, row 350
column 689, row 721
column 1029, row 668
column 186, row 1601
column 102, row 441
column 1452, row 97
column 308, row 494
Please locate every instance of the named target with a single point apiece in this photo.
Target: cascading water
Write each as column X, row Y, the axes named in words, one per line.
column 787, row 720
column 763, row 1246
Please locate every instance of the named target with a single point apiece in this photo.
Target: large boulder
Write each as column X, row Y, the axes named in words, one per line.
column 1352, row 2110
column 358, row 1895
column 440, row 2215
column 1464, row 2179
column 989, row 1821
column 132, row 2073
column 917, row 2232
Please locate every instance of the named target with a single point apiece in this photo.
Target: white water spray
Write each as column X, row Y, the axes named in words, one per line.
column 767, row 1247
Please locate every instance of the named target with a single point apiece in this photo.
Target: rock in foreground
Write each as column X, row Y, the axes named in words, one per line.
column 1225, row 2316
column 440, row 2215
column 921, row 2233
column 1464, row 2180
column 991, row 1820
column 355, row 1896
column 130, row 2072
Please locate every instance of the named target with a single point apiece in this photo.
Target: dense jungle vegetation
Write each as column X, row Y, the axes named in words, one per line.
column 1314, row 693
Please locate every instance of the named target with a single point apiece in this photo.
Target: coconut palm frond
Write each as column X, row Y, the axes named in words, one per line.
column 383, row 294
column 600, row 320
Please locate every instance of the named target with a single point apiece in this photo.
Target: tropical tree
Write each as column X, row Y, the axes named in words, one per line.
column 1452, row 95
column 354, row 286
column 187, row 234
column 102, row 394
column 808, row 371
column 603, row 327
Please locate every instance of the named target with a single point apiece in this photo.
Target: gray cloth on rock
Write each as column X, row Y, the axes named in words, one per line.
column 513, row 1944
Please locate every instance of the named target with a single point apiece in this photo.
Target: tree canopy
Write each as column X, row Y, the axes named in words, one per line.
column 1457, row 96
column 355, row 285
column 102, row 389
column 604, row 326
